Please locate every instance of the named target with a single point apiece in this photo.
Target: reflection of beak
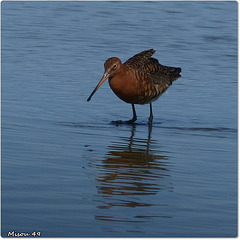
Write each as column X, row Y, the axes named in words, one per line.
column 104, row 78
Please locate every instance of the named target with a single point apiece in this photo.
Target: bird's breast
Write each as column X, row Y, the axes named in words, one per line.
column 125, row 87
column 134, row 89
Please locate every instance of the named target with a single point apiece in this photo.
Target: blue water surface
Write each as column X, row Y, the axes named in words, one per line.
column 67, row 171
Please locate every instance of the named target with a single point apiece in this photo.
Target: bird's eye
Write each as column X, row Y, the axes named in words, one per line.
column 114, row 66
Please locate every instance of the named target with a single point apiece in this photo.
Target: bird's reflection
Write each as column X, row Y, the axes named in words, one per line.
column 133, row 167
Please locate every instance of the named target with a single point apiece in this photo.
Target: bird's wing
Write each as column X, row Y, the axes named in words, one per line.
column 159, row 74
column 139, row 60
column 156, row 73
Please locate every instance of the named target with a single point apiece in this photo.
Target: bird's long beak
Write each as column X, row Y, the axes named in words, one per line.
column 104, row 78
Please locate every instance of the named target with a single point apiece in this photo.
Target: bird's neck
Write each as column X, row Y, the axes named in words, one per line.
column 123, row 85
column 118, row 80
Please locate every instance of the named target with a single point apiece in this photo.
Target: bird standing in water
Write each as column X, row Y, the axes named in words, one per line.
column 140, row 80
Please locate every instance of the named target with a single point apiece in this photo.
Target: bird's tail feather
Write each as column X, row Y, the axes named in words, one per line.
column 175, row 71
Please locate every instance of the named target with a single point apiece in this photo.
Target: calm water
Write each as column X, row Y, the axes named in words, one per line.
column 68, row 171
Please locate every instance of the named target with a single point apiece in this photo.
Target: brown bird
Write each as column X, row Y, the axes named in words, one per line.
column 140, row 80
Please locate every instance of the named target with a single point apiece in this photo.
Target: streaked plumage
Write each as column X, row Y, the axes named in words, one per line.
column 140, row 80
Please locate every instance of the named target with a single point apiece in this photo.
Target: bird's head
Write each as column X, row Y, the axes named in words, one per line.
column 112, row 66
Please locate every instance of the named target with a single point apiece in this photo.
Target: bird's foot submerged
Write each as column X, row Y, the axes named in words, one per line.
column 132, row 121
column 129, row 121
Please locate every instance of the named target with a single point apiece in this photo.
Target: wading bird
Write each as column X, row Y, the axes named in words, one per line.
column 140, row 80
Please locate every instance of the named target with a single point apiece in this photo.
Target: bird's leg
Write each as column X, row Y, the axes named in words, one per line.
column 129, row 121
column 151, row 115
column 134, row 115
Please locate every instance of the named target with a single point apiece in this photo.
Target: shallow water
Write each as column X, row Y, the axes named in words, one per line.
column 68, row 171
